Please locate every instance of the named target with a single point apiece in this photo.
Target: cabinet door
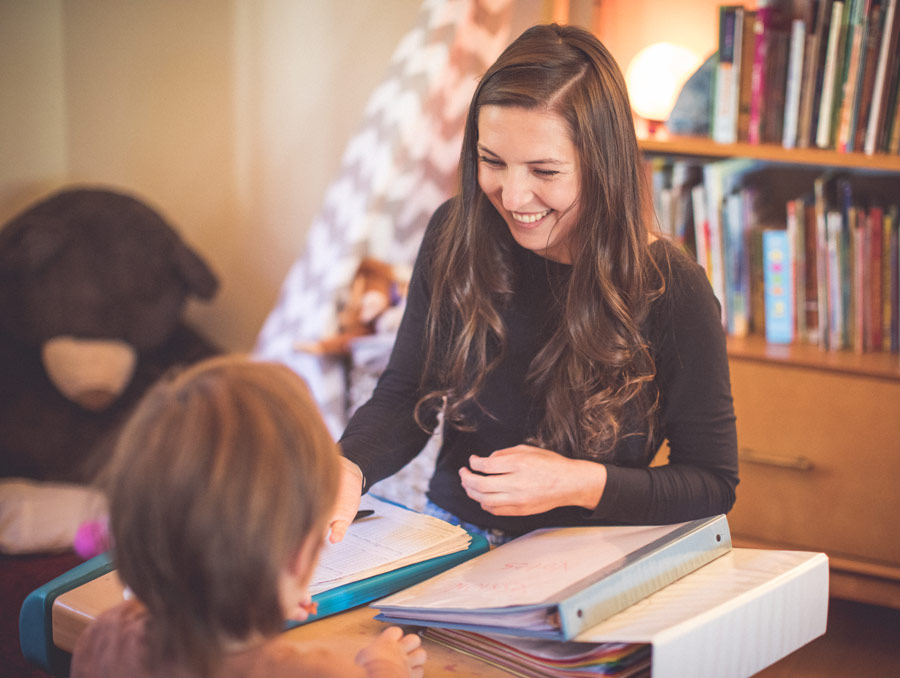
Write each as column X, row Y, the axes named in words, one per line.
column 820, row 462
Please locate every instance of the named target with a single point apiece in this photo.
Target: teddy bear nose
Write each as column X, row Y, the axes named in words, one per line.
column 95, row 400
column 89, row 372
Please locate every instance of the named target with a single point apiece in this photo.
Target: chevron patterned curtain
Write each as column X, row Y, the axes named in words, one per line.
column 395, row 172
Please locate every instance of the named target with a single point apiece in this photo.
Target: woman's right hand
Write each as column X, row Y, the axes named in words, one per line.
column 349, row 494
column 393, row 654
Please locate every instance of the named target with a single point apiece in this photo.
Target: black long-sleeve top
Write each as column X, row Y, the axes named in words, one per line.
column 696, row 413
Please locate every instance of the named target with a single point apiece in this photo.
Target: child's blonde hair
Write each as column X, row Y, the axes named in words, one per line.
column 218, row 478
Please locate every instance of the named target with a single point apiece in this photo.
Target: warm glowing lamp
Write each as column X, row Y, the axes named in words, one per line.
column 655, row 76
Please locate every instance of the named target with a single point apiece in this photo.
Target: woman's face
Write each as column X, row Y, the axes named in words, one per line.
column 528, row 169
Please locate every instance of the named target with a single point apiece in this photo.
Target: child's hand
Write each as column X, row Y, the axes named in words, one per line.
column 393, row 654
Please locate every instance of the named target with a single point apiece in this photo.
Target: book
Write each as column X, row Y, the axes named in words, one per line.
column 771, row 28
column 874, row 267
column 836, row 254
column 892, row 228
column 730, row 618
column 796, row 230
column 823, row 190
column 889, row 283
column 719, row 179
column 778, row 287
column 856, row 46
column 728, row 70
column 886, row 53
column 810, row 280
column 739, row 219
column 818, row 17
column 829, row 78
column 557, row 582
column 745, row 90
column 794, row 78
column 873, row 44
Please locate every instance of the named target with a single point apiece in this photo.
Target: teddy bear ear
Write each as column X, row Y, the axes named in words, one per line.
column 27, row 244
column 201, row 281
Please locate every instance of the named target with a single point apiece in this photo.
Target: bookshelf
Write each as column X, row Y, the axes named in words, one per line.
column 818, row 431
column 703, row 147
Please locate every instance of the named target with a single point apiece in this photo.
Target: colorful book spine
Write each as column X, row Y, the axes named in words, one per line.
column 836, row 254
column 796, row 235
column 821, row 187
column 867, row 79
column 811, row 304
column 887, row 281
column 748, row 49
column 818, row 18
column 826, row 104
column 767, row 22
column 777, row 280
column 874, row 268
column 794, row 78
column 852, row 82
column 891, row 225
column 886, row 53
column 727, row 75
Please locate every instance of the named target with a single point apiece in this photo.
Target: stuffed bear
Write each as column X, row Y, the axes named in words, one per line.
column 374, row 304
column 92, row 287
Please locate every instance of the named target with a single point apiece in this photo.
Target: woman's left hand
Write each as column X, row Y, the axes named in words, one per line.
column 524, row 480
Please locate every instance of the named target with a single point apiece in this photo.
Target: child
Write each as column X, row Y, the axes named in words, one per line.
column 220, row 491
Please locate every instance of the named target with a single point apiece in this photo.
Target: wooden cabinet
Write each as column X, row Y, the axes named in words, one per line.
column 818, row 431
column 819, row 445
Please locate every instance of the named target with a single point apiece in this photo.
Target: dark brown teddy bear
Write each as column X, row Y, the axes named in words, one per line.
column 92, row 287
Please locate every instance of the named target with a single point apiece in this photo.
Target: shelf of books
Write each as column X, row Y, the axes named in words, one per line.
column 833, row 301
column 791, row 202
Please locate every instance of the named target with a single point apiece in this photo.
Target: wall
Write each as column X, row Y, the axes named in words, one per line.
column 230, row 117
column 627, row 26
column 32, row 103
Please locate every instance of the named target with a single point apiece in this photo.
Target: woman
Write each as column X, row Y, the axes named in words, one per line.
column 561, row 340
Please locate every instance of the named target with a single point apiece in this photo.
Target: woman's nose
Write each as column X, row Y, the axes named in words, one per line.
column 516, row 192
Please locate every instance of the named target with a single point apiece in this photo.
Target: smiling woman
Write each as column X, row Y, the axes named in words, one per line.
column 528, row 169
column 557, row 335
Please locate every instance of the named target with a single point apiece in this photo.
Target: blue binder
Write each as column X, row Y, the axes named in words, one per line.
column 36, row 616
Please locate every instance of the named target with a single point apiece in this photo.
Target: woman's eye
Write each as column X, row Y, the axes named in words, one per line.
column 492, row 162
column 546, row 173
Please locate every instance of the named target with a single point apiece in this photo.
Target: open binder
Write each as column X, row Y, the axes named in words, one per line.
column 556, row 582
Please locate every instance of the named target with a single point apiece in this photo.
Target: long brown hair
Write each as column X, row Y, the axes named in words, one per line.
column 217, row 479
column 596, row 371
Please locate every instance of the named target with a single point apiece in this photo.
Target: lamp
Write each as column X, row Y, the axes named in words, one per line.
column 655, row 77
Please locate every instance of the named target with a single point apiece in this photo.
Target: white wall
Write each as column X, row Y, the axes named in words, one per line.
column 228, row 116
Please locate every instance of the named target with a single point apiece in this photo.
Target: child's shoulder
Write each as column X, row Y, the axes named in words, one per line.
column 117, row 635
column 282, row 657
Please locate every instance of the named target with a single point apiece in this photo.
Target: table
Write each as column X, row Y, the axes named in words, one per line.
column 351, row 630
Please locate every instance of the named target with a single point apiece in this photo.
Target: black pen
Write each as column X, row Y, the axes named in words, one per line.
column 365, row 513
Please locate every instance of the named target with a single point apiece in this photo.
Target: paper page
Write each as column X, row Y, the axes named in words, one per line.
column 390, row 538
column 529, row 570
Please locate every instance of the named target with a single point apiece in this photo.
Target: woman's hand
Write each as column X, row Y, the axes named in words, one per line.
column 393, row 654
column 349, row 494
column 525, row 480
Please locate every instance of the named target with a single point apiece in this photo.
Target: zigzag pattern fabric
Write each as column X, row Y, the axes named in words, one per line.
column 395, row 172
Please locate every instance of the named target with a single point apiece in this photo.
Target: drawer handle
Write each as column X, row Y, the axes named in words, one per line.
column 795, row 463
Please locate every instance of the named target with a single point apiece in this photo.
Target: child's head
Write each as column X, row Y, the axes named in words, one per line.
column 220, row 479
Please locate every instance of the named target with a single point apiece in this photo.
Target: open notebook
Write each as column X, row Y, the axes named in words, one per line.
column 391, row 538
